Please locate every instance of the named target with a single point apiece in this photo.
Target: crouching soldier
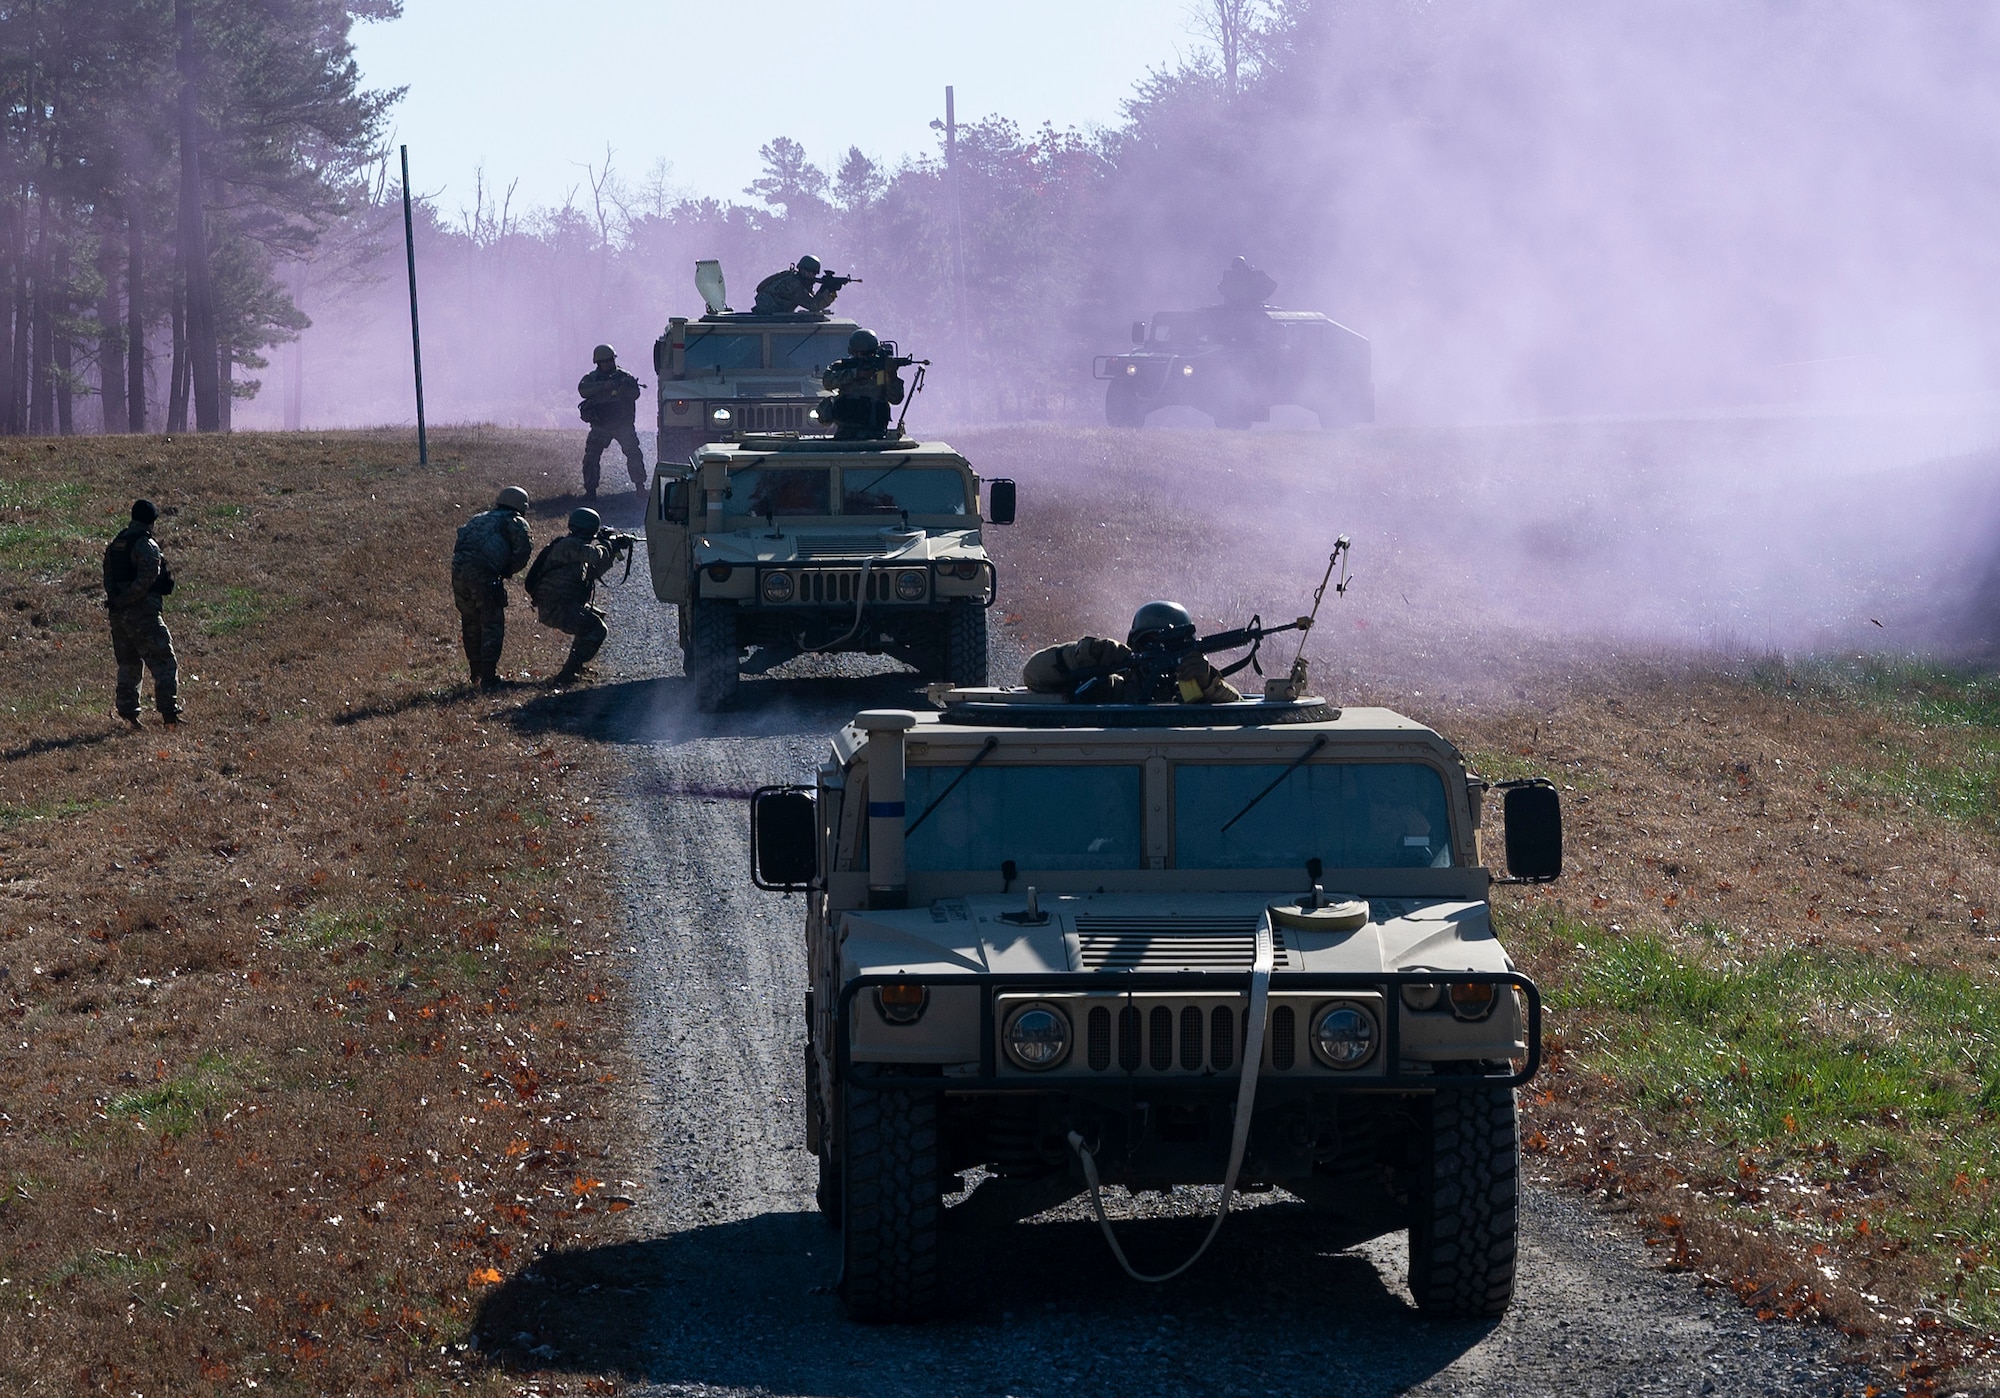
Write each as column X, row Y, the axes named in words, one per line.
column 492, row 546
column 136, row 577
column 562, row 583
column 1158, row 656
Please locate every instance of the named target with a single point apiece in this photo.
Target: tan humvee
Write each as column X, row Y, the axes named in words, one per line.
column 801, row 545
column 1045, row 938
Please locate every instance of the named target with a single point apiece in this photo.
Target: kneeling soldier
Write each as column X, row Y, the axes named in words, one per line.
column 562, row 582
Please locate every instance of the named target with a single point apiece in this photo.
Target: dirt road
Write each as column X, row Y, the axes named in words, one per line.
column 729, row 1286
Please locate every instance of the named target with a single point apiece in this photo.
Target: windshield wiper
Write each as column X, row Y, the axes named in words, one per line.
column 1304, row 757
column 883, row 477
column 984, row 753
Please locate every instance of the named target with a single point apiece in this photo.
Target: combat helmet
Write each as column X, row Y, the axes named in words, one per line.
column 583, row 521
column 1160, row 623
column 603, row 354
column 863, row 343
column 808, row 266
column 512, row 498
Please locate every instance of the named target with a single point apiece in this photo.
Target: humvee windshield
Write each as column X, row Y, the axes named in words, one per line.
column 789, row 490
column 710, row 352
column 808, row 353
column 1354, row 815
column 894, row 489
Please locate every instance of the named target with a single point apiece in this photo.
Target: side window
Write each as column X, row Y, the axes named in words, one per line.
column 674, row 502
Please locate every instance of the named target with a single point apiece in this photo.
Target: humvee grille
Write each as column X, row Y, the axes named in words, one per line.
column 1191, row 944
column 840, row 585
column 753, row 416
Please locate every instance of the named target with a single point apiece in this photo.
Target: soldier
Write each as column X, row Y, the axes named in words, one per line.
column 800, row 287
column 136, row 577
column 610, row 405
column 1243, row 286
column 561, row 584
column 1099, row 670
column 865, row 386
column 491, row 546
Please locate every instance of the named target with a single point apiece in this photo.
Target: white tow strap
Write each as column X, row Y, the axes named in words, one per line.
column 1246, row 1100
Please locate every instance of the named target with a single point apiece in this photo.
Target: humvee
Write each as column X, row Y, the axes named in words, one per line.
column 731, row 374
column 800, row 545
column 1061, row 945
column 1235, row 363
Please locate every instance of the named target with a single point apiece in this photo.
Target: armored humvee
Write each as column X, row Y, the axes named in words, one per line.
column 1235, row 363
column 799, row 545
column 1070, row 944
column 730, row 375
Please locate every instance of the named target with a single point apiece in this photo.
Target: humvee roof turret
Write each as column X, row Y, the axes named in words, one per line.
column 1070, row 944
column 808, row 545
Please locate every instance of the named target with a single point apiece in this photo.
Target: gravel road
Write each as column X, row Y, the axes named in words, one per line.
column 728, row 1287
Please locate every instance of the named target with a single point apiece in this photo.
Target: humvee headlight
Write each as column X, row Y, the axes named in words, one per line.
column 720, row 414
column 1037, row 1037
column 1344, row 1035
column 910, row 585
column 1187, row 371
column 1131, row 368
column 1422, row 997
column 967, row 569
column 901, row 1003
column 777, row 587
column 1472, row 999
column 719, row 572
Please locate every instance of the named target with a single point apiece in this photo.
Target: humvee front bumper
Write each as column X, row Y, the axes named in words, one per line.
column 1179, row 1029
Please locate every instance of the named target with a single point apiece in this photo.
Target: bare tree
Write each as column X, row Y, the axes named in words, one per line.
column 1231, row 25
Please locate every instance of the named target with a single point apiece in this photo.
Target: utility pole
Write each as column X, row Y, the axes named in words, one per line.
column 950, row 129
column 416, row 339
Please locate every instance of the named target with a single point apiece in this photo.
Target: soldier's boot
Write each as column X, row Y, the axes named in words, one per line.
column 132, row 719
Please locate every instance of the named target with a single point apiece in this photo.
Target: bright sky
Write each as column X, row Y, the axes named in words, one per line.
column 535, row 90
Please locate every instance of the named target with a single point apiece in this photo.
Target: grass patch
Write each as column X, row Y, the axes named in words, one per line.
column 174, row 1107
column 224, row 611
column 48, row 518
column 337, row 929
column 53, row 808
column 1798, row 1069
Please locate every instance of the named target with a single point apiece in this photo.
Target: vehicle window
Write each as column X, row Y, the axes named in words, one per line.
column 1349, row 815
column 1039, row 817
column 808, row 354
column 787, row 490
column 707, row 353
column 891, row 489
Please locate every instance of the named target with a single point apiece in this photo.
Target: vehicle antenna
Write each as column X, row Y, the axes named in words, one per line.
column 1338, row 558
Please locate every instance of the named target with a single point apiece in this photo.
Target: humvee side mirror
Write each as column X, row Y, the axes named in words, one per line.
column 1533, row 814
column 1138, row 332
column 1000, row 504
column 784, row 838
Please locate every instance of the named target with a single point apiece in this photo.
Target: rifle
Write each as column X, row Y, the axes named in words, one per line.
column 1151, row 672
column 836, row 281
column 619, row 542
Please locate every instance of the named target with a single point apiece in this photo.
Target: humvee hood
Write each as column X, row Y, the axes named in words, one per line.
column 1116, row 932
column 833, row 544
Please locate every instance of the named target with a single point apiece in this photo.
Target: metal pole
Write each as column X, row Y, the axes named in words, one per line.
column 416, row 339
column 957, row 232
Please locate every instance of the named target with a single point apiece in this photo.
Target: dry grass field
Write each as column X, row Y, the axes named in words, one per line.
column 306, row 1001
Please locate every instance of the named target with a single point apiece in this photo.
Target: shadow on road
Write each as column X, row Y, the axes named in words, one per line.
column 662, row 711
column 1035, row 1307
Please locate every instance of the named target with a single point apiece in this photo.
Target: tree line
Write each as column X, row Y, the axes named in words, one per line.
column 166, row 166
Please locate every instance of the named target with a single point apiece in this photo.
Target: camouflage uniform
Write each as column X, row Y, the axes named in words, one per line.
column 610, row 398
column 491, row 546
column 792, row 290
column 568, row 577
column 1062, row 669
column 139, row 637
column 865, row 388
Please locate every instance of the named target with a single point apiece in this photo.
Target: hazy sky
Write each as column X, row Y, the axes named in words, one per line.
column 536, row 90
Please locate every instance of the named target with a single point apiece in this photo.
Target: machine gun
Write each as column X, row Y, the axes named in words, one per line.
column 834, row 281
column 619, row 542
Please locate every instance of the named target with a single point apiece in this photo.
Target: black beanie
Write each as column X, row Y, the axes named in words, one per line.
column 145, row 511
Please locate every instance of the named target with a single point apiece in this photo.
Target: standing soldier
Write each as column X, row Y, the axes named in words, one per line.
column 136, row 577
column 800, row 287
column 610, row 405
column 561, row 584
column 865, row 386
column 491, row 546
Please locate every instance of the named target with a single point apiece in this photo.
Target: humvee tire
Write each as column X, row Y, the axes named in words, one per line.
column 826, row 1193
column 1463, row 1206
column 890, row 1206
column 1121, row 404
column 712, row 664
column 965, row 645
